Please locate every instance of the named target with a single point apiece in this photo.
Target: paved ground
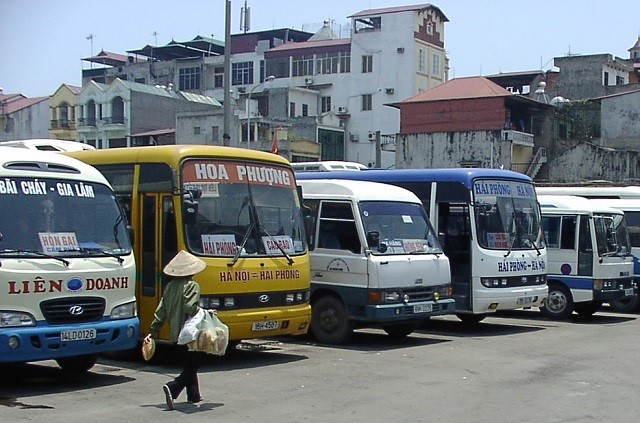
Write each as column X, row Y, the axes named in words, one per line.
column 515, row 367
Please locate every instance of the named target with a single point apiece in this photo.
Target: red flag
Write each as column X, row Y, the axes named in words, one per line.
column 274, row 143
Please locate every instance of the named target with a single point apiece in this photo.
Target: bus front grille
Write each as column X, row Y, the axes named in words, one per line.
column 73, row 310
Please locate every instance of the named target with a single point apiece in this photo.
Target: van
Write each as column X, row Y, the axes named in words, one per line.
column 375, row 260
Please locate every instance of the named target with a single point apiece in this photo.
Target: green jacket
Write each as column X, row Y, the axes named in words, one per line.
column 178, row 303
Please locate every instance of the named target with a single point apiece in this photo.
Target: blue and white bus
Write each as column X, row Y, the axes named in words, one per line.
column 490, row 228
column 590, row 259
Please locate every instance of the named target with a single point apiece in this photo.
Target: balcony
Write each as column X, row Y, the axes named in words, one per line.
column 113, row 120
column 518, row 138
column 90, row 121
column 62, row 124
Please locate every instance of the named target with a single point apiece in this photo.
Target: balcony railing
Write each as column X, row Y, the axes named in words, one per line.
column 113, row 120
column 62, row 124
column 519, row 138
column 91, row 121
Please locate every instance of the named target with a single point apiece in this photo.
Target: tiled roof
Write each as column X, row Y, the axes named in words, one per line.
column 636, row 45
column 461, row 88
column 22, row 103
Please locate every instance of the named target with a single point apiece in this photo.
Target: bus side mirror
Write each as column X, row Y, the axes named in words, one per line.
column 310, row 230
column 189, row 211
column 373, row 239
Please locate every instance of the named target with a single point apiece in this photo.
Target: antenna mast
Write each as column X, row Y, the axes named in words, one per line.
column 245, row 18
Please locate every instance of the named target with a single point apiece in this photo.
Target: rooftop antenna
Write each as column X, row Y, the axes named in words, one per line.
column 155, row 36
column 245, row 18
column 90, row 38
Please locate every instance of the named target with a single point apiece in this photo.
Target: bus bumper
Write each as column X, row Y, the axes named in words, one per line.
column 249, row 324
column 615, row 294
column 531, row 296
column 380, row 313
column 44, row 341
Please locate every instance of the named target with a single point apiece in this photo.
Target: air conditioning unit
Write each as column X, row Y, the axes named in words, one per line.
column 242, row 90
column 400, row 50
column 372, row 136
column 342, row 110
column 308, row 81
column 389, row 90
column 354, row 137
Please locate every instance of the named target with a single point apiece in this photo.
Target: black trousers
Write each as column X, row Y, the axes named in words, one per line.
column 188, row 378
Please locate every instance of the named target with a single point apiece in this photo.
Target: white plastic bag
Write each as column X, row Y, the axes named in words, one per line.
column 214, row 335
column 190, row 329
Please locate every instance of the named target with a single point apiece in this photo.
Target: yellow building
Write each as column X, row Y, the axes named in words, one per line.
column 62, row 112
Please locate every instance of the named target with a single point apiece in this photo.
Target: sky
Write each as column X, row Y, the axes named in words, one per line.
column 42, row 42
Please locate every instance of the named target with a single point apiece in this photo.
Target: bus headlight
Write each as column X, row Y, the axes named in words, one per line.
column 16, row 318
column 124, row 311
column 383, row 296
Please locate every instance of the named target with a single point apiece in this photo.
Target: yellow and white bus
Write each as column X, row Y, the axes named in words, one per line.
column 236, row 209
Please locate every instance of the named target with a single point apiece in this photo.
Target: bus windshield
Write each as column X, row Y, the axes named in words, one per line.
column 62, row 218
column 507, row 215
column 398, row 228
column 243, row 213
column 611, row 234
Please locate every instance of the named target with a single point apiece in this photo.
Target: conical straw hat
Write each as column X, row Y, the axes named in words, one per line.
column 184, row 264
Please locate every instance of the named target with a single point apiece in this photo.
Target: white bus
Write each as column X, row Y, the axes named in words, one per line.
column 326, row 166
column 67, row 272
column 589, row 255
column 46, row 144
column 489, row 222
column 625, row 198
column 375, row 260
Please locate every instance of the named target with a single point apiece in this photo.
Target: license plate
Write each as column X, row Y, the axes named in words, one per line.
column 423, row 308
column 628, row 292
column 524, row 300
column 77, row 335
column 266, row 325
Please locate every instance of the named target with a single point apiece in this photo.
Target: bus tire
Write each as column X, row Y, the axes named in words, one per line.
column 470, row 319
column 78, row 364
column 626, row 305
column 329, row 321
column 401, row 330
column 559, row 303
column 587, row 309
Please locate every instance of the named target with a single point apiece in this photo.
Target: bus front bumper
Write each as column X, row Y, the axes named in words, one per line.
column 45, row 342
column 251, row 324
column 381, row 313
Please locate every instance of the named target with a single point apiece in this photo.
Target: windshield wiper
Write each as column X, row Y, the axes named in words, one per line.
column 94, row 251
column 533, row 244
column 289, row 259
column 37, row 253
column 240, row 247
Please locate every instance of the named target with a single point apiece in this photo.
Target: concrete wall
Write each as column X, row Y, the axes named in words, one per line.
column 30, row 122
column 620, row 125
column 586, row 161
column 439, row 150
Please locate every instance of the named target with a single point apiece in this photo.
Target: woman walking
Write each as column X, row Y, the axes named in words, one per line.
column 178, row 303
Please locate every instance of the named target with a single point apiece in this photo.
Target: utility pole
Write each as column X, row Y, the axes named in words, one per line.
column 226, row 138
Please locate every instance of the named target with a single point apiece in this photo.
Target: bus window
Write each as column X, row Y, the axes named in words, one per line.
column 568, row 237
column 552, row 231
column 338, row 227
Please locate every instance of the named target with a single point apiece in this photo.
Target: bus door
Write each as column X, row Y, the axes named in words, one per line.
column 454, row 227
column 157, row 246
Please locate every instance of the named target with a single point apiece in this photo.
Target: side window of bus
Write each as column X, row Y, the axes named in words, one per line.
column 633, row 223
column 568, row 234
column 338, row 227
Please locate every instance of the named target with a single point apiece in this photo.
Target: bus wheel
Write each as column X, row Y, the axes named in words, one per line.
column 587, row 309
column 401, row 330
column 627, row 305
column 329, row 321
column 77, row 364
column 471, row 319
column 559, row 304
